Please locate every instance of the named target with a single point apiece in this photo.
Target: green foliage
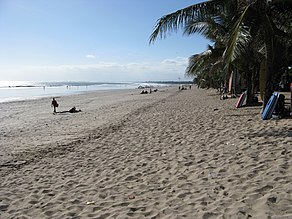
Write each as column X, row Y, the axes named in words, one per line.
column 245, row 34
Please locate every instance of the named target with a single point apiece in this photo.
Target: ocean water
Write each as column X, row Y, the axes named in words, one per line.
column 22, row 90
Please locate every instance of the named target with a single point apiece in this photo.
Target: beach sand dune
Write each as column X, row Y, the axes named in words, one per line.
column 170, row 154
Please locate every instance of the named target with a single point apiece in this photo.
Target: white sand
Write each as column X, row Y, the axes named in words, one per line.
column 166, row 155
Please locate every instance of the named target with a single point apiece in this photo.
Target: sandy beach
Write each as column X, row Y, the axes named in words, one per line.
column 169, row 154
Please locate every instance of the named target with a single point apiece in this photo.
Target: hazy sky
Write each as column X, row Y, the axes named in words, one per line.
column 91, row 40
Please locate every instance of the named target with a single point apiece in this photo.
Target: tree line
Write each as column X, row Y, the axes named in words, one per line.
column 249, row 38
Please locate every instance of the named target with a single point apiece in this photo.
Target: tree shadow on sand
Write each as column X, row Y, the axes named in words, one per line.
column 273, row 133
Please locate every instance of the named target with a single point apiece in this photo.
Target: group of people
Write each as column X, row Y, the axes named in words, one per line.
column 184, row 87
column 55, row 105
column 150, row 91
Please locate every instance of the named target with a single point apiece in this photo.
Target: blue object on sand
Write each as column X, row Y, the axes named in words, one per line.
column 270, row 107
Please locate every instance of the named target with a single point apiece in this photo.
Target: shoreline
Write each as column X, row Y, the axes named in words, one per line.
column 59, row 94
column 171, row 154
column 37, row 90
column 65, row 95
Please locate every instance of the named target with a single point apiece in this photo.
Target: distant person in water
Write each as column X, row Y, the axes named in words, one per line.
column 54, row 104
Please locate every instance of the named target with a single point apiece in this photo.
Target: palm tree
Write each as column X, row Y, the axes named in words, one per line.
column 264, row 20
column 206, row 67
column 216, row 28
column 208, row 64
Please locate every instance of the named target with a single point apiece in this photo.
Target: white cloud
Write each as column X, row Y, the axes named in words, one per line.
column 168, row 69
column 90, row 56
column 178, row 61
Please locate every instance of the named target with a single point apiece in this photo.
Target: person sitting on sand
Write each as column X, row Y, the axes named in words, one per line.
column 54, row 104
column 74, row 110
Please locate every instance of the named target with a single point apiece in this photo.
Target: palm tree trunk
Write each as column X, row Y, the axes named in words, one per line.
column 269, row 38
column 254, row 81
column 249, row 82
column 269, row 69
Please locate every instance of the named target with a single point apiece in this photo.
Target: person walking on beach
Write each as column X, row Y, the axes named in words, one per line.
column 55, row 105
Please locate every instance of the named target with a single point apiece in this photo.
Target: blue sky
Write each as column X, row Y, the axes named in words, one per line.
column 91, row 40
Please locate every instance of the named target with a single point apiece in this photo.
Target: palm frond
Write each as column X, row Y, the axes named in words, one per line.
column 238, row 39
column 282, row 18
column 197, row 62
column 211, row 27
column 172, row 22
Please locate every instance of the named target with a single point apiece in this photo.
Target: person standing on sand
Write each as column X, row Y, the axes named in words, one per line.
column 55, row 105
